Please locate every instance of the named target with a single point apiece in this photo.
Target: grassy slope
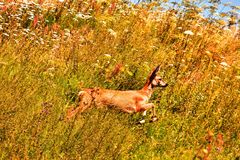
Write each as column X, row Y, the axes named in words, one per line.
column 43, row 68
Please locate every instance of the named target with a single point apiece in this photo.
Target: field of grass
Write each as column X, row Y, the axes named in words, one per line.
column 49, row 52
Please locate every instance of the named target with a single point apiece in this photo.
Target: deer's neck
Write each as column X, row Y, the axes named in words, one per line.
column 147, row 90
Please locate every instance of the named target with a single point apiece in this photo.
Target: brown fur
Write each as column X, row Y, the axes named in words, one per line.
column 130, row 101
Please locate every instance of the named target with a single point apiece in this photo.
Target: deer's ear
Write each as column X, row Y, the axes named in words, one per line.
column 154, row 73
column 156, row 69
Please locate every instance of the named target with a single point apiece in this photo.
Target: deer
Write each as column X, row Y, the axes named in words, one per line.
column 129, row 101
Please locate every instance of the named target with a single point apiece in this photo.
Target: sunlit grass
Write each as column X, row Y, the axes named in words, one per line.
column 49, row 52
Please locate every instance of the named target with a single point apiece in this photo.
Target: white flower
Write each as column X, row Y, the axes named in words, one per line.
column 67, row 32
column 103, row 23
column 112, row 32
column 51, row 69
column 238, row 77
column 61, row 1
column 107, row 55
column 212, row 80
column 224, row 64
column 83, row 16
column 188, row 32
column 5, row 34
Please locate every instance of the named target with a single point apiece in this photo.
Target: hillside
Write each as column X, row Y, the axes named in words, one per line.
column 49, row 52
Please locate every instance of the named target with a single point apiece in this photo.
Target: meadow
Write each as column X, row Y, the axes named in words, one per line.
column 50, row 51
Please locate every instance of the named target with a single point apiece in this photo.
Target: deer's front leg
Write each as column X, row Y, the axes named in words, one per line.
column 147, row 106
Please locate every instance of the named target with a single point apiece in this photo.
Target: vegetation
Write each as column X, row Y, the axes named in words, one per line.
column 48, row 52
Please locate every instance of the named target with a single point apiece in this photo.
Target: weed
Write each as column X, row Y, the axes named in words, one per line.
column 49, row 51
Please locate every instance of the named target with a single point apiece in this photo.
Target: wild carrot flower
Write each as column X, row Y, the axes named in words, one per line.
column 224, row 64
column 188, row 32
column 107, row 55
column 83, row 16
column 112, row 32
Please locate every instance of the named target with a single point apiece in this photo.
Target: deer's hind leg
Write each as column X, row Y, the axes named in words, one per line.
column 84, row 101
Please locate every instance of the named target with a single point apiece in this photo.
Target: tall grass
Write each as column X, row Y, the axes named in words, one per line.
column 48, row 52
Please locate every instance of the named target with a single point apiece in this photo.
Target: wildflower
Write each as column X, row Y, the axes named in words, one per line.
column 224, row 64
column 32, row 33
column 41, row 40
column 205, row 151
column 107, row 55
column 55, row 36
column 31, row 15
column 212, row 80
column 126, row 30
column 112, row 32
column 154, row 47
column 188, row 32
column 83, row 16
column 209, row 53
column 5, row 34
column 26, row 30
column 67, row 32
column 35, row 21
column 103, row 23
column 51, row 69
column 238, row 77
column 219, row 142
column 55, row 47
column 16, row 41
